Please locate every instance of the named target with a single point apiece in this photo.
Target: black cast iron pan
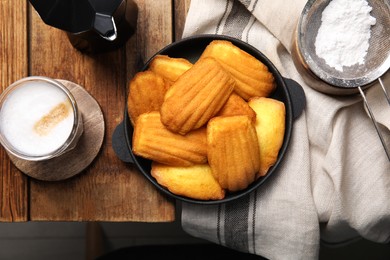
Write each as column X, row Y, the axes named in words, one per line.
column 287, row 91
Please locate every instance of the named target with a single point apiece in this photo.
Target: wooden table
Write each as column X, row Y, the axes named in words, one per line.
column 109, row 189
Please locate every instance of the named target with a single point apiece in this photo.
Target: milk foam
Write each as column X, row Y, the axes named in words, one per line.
column 26, row 106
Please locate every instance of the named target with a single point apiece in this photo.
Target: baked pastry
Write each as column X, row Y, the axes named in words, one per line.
column 233, row 151
column 146, row 94
column 270, row 128
column 252, row 76
column 236, row 106
column 168, row 67
column 152, row 140
column 196, row 182
column 196, row 96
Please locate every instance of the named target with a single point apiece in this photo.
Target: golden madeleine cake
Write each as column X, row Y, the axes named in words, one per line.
column 270, row 128
column 196, row 182
column 146, row 94
column 233, row 151
column 152, row 140
column 168, row 67
column 196, row 96
column 252, row 76
column 236, row 106
column 208, row 128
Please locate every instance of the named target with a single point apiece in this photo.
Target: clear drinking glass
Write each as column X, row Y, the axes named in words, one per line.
column 39, row 119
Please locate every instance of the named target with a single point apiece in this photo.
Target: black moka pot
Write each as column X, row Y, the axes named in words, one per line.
column 91, row 25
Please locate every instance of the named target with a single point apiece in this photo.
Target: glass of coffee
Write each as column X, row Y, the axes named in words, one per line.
column 39, row 119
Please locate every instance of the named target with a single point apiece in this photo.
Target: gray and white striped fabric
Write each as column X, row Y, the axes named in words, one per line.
column 334, row 183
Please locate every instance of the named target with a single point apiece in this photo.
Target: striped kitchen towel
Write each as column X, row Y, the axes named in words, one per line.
column 334, row 183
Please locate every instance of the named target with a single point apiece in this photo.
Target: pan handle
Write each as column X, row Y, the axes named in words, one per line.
column 119, row 144
column 298, row 97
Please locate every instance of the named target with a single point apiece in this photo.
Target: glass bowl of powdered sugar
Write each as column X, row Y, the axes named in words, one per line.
column 342, row 45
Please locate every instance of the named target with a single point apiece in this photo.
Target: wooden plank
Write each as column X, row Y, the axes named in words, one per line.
column 181, row 10
column 13, row 66
column 154, row 31
column 108, row 190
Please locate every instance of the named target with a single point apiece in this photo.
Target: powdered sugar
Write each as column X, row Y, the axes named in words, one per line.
column 343, row 37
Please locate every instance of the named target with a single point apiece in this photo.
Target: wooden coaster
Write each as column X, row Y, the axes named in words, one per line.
column 88, row 146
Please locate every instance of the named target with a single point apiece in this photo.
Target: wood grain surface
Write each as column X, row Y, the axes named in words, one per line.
column 13, row 66
column 109, row 189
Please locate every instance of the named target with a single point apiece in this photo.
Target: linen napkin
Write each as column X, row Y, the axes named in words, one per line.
column 334, row 183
